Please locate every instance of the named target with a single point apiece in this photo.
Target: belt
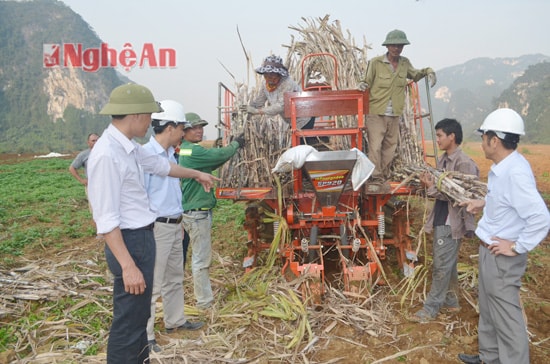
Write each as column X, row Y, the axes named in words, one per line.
column 168, row 220
column 201, row 209
column 482, row 243
column 151, row 226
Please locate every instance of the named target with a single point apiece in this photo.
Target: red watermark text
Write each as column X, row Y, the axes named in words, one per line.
column 92, row 59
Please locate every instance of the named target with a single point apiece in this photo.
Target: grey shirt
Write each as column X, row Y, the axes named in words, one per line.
column 272, row 102
column 81, row 160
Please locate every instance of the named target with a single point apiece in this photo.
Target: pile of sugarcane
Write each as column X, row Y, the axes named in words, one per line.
column 267, row 137
column 321, row 36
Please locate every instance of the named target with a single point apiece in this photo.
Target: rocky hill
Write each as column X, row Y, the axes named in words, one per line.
column 530, row 95
column 47, row 109
column 53, row 109
column 468, row 92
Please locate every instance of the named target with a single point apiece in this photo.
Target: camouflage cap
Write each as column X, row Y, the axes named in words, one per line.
column 195, row 120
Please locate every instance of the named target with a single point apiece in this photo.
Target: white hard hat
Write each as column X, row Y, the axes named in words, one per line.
column 503, row 121
column 172, row 112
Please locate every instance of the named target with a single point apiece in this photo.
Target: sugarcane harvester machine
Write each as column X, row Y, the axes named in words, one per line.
column 337, row 233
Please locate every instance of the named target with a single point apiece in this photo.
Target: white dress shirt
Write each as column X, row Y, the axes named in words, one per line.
column 514, row 209
column 116, row 188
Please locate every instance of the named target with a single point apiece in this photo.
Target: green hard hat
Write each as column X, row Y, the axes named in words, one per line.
column 131, row 99
column 396, row 37
column 194, row 119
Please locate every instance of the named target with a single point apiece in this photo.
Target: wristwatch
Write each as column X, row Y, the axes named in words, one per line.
column 513, row 248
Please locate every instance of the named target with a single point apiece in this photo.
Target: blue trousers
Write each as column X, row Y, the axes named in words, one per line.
column 128, row 335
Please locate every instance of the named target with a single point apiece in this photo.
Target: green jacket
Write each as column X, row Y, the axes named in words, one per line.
column 193, row 155
column 385, row 84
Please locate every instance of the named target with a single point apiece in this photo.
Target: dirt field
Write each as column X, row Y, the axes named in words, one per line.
column 436, row 342
column 440, row 341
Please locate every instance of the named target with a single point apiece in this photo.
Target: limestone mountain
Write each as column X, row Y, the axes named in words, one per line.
column 530, row 96
column 47, row 109
column 53, row 109
column 470, row 91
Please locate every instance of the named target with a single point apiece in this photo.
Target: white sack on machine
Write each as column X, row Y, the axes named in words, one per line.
column 294, row 158
column 362, row 170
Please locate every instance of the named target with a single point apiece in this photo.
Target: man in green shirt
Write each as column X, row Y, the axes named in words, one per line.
column 198, row 204
column 386, row 79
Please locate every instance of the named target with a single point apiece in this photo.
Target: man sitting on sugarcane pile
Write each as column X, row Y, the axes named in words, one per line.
column 270, row 99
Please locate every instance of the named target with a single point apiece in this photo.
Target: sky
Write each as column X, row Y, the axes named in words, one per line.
column 442, row 33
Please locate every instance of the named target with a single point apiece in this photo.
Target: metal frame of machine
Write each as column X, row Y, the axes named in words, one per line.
column 325, row 216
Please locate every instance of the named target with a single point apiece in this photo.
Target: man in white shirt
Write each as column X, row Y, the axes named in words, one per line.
column 123, row 214
column 515, row 220
column 165, row 196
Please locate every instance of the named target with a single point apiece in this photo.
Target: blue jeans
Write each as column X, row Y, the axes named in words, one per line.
column 128, row 336
column 198, row 225
column 443, row 292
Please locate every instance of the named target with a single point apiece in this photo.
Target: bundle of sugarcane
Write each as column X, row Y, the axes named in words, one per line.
column 267, row 137
column 410, row 151
column 409, row 164
column 457, row 186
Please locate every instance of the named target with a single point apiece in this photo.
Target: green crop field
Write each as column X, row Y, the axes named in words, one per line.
column 40, row 206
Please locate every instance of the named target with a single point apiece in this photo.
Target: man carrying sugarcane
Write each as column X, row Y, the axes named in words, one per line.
column 198, row 204
column 448, row 222
column 515, row 220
